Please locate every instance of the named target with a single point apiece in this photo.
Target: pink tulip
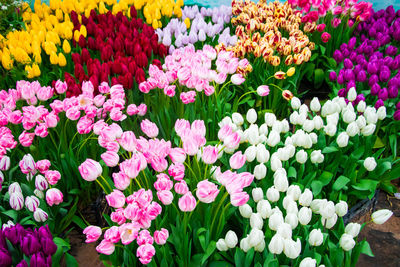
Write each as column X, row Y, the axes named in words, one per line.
column 144, row 237
column 132, row 110
column 145, row 253
column 132, row 212
column 105, row 247
column 128, row 141
column 41, row 183
column 170, row 90
column 41, row 130
column 54, row 196
column 199, row 127
column 160, row 237
column 206, row 191
column 128, row 232
column 90, row 170
column 112, row 234
column 181, row 125
column 45, row 93
column 181, row 188
column 177, row 170
column 232, row 140
column 246, row 179
column 263, row 90
column 110, row 158
column 27, row 164
column 224, row 132
column 92, row 233
column 239, row 199
column 118, row 216
column 116, row 199
column 142, row 109
column 61, row 87
column 73, row 113
column 43, row 165
column 163, row 182
column 104, row 88
column 188, row 97
column 149, row 128
column 121, row 180
column 237, row 79
column 53, row 177
column 190, row 146
column 159, row 164
column 210, row 154
column 165, row 196
column 187, row 202
column 131, row 167
column 26, row 139
column 177, row 155
column 237, row 160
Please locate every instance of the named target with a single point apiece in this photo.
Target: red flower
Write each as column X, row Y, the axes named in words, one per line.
column 76, row 58
column 82, row 41
column 141, row 60
column 325, row 37
column 85, row 55
column 133, row 12
column 132, row 67
column 157, row 63
column 74, row 17
column 139, row 76
column 91, row 44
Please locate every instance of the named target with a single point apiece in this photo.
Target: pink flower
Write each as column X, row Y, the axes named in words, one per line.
column 112, row 234
column 325, row 37
column 27, row 91
column 177, row 170
column 181, row 125
column 99, row 100
column 263, row 90
column 118, row 216
column 128, row 232
column 121, row 180
column 188, row 97
column 237, row 160
column 224, row 132
column 210, row 154
column 163, row 182
column 144, row 238
column 51, row 120
column 239, row 199
column 41, row 130
column 105, row 247
column 237, row 79
column 84, row 125
column 321, row 27
column 61, row 87
column 117, row 115
column 73, row 113
column 206, row 191
column 220, row 78
column 27, row 164
column 26, row 138
column 90, row 170
column 232, row 140
column 159, row 164
column 246, row 179
column 161, row 236
column 131, row 167
column 142, row 109
column 209, row 90
column 145, row 253
column 116, row 199
column 190, row 146
column 149, row 128
column 165, row 196
column 337, row 10
column 181, row 188
column 128, row 141
column 110, row 158
column 170, row 90
column 336, row 22
column 187, row 202
column 44, row 93
column 132, row 110
column 52, row 177
column 54, row 196
column 132, row 212
column 92, row 233
column 177, row 155
column 104, row 88
column 199, row 127
column 144, row 87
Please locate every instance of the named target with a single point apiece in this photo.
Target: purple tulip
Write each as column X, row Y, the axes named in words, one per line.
column 391, row 50
column 398, row 105
column 393, row 92
column 348, row 64
column 352, row 43
column 375, row 89
column 37, row 260
column 372, row 68
column 383, row 94
column 338, row 56
column 342, row 92
column 373, row 80
column 353, row 56
column 379, row 103
column 349, row 75
column 372, row 32
column 332, row 76
column 5, row 257
column 340, row 79
column 350, row 84
column 346, row 53
column 375, row 45
column 361, row 76
column 396, row 115
column 13, row 233
column 360, row 58
column 48, row 246
column 23, row 263
column 30, row 244
column 384, row 75
column 44, row 231
column 359, row 98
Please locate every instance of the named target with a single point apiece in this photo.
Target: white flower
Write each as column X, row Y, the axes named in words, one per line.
column 381, row 216
column 250, row 153
column 370, row 164
column 270, row 118
column 38, row 193
column 263, row 130
column 244, row 244
column 368, row 130
column 330, row 129
column 262, row 153
column 332, row 118
column 40, row 215
column 245, row 210
column 305, row 198
column 328, row 108
column 293, row 118
column 370, row 115
column 301, row 118
column 295, row 103
column 352, row 94
column 315, row 105
column 318, row 122
column 251, row 115
column 329, row 222
column 316, row 238
column 277, row 126
column 308, row 126
column 255, row 237
column 237, row 118
column 257, row 194
column 341, row 208
column 353, row 229
column 301, row 156
column 308, row 262
column 276, row 244
column 264, row 208
column 286, row 200
column 381, row 113
column 256, row 221
column 317, row 157
column 294, row 191
column 260, row 171
column 361, row 106
column 251, row 134
column 343, row 139
column 273, row 138
column 285, row 126
column 327, row 209
column 272, row 194
column 281, row 182
column 361, row 122
column 347, row 242
column 260, row 247
column 221, row 245
column 284, row 230
column 349, row 116
column 275, row 163
column 316, row 205
column 275, row 220
column 292, row 219
column 231, row 239
column 291, row 248
column 304, row 215
column 303, row 109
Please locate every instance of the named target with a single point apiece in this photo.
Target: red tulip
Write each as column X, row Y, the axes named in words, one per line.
column 157, row 63
column 85, row 55
column 133, row 12
column 84, row 19
column 139, row 75
column 74, row 17
column 76, row 58
column 82, row 41
column 141, row 60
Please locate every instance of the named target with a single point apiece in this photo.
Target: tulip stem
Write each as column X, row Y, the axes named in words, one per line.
column 250, row 92
column 218, row 207
column 276, row 86
column 102, row 187
column 106, row 182
column 222, row 88
column 222, row 214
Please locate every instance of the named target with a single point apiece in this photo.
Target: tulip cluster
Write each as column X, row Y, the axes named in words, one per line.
column 193, row 28
column 126, row 48
column 36, row 245
column 191, row 69
column 261, row 30
column 373, row 64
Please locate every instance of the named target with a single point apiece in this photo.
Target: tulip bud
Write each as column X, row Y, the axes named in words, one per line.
column 352, row 94
column 250, row 153
column 262, row 153
column 276, row 244
column 361, row 106
column 257, row 194
column 381, row 113
column 270, row 119
column 221, row 245
column 260, row 247
column 284, row 230
column 315, row 105
column 14, row 188
column 341, row 208
column 275, row 220
column 306, row 198
column 237, row 119
column 292, row 219
column 291, row 248
column 327, row 209
column 244, row 244
column 294, row 191
column 272, row 194
column 231, row 239
column 329, row 222
column 38, row 193
column 353, row 229
column 40, row 215
column 347, row 242
column 32, row 203
column 308, row 262
column 4, row 163
column 317, row 157
column 275, row 163
column 251, row 116
column 368, row 130
column 381, row 216
column 315, row 238
column 256, row 221
column 301, row 156
column 260, row 171
column 304, row 215
column 245, row 210
column 264, row 208
column 16, row 201
column 256, row 236
column 41, row 183
column 343, row 139
column 295, row 103
column 370, row 164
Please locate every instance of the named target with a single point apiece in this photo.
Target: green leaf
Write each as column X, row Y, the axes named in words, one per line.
column 325, row 177
column 61, row 242
column 378, row 143
column 11, row 213
column 366, row 249
column 340, row 182
column 210, row 249
column 249, row 257
column 366, row 184
column 78, row 221
column 70, row 260
column 357, row 154
column 316, row 187
column 292, row 173
column 239, row 257
column 382, row 168
column 329, row 149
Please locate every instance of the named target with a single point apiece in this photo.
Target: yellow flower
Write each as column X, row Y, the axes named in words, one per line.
column 66, row 47
column 59, row 14
column 62, row 61
column 187, row 23
column 77, row 34
column 286, row 94
column 36, row 70
column 6, row 60
column 37, row 58
column 102, row 8
column 178, row 11
column 290, row 72
column 83, row 31
column 280, row 75
column 53, row 58
column 20, row 55
column 155, row 24
column 29, row 72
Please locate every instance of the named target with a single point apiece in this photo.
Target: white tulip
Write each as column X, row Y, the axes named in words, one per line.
column 291, row 248
column 281, row 183
column 275, row 220
column 381, row 113
column 368, row 130
column 276, row 244
column 264, row 208
column 251, row 134
column 285, row 126
column 255, row 237
column 231, row 239
column 353, row 229
column 262, row 153
column 317, row 157
column 245, row 210
column 292, row 219
column 303, row 109
column 330, row 129
column 14, row 188
column 260, row 247
column 347, row 242
column 315, row 105
column 327, row 209
column 260, row 171
column 318, row 122
column 352, row 94
column 370, row 115
column 295, row 103
column 250, row 153
column 316, row 205
column 263, row 130
column 292, row 207
column 341, row 208
column 301, row 156
column 381, row 216
column 270, row 118
column 294, row 191
column 272, row 194
column 256, row 221
column 257, row 194
column 328, row 108
column 284, row 230
column 329, row 222
column 361, row 122
column 361, row 106
column 349, row 116
column 305, row 215
column 244, row 244
column 237, row 118
column 277, row 126
column 316, row 238
column 225, row 121
column 332, row 118
column 290, row 150
column 40, row 215
column 308, row 126
column 275, row 163
column 221, row 245
column 31, row 203
column 343, row 139
column 370, row 164
column 301, row 119
column 308, row 262
column 286, row 200
column 305, row 198
column 273, row 138
column 251, row 115
column 313, row 137
column 293, row 118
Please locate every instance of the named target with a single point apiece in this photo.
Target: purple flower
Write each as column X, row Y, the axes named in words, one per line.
column 340, row 79
column 353, row 56
column 361, row 76
column 338, row 56
column 48, row 246
column 393, row 92
column 396, row 115
column 352, row 43
column 342, row 92
column 5, row 257
column 349, row 75
column 348, row 64
column 373, row 80
column 375, row 89
column 391, row 50
column 350, row 84
column 372, row 68
column 22, row 263
column 359, row 98
column 398, row 105
column 44, row 231
column 332, row 76
column 30, row 244
column 384, row 75
column 37, row 260
column 383, row 94
column 379, row 103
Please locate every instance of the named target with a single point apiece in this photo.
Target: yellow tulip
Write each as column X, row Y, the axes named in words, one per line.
column 290, row 72
column 53, row 58
column 83, row 31
column 187, row 23
column 62, row 61
column 6, row 60
column 178, row 11
column 36, row 70
column 37, row 58
column 29, row 72
column 77, row 34
column 66, row 47
column 155, row 24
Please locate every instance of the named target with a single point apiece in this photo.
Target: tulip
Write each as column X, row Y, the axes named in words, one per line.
column 353, row 229
column 90, row 170
column 251, row 116
column 4, row 163
column 221, row 245
column 250, row 153
column 256, row 236
column 291, row 248
column 381, row 216
column 370, row 164
column 160, row 237
column 275, row 220
column 231, row 239
column 308, row 262
column 315, row 238
column 260, row 171
column 276, row 244
column 54, row 197
column 187, row 202
column 341, row 208
column 105, row 247
column 304, row 215
column 256, row 221
column 272, row 194
column 347, row 242
column 263, row 90
column 206, row 191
